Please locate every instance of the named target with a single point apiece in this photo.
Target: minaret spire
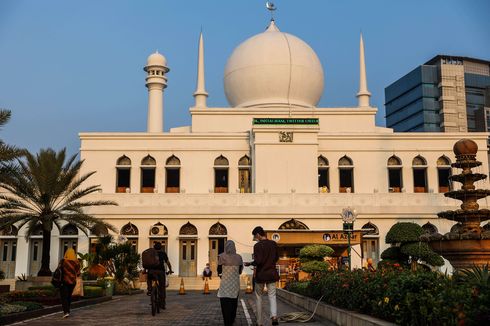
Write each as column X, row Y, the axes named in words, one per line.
column 200, row 94
column 363, row 95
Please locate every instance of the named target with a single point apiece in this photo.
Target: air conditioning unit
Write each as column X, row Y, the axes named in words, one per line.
column 157, row 230
column 391, row 189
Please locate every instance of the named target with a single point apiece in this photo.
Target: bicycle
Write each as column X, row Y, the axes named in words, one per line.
column 155, row 295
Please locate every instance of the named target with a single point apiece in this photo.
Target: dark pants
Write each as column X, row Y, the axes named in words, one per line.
column 154, row 274
column 228, row 309
column 66, row 291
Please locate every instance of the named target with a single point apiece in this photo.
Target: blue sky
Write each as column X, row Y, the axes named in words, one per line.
column 72, row 66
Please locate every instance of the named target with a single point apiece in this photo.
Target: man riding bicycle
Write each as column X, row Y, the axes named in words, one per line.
column 158, row 273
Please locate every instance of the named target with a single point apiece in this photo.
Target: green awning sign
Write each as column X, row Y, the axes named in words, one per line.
column 285, row 121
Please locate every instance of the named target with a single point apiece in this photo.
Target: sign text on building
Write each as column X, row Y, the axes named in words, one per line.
column 285, row 121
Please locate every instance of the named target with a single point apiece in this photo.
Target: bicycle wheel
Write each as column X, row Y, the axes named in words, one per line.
column 154, row 300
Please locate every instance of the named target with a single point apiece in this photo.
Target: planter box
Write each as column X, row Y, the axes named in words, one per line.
column 333, row 314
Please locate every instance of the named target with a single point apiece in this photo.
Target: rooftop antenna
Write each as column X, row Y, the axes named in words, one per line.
column 271, row 7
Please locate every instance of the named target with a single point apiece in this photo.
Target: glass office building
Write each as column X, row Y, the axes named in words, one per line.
column 445, row 94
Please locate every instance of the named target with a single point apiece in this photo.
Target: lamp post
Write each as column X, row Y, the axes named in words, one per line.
column 348, row 217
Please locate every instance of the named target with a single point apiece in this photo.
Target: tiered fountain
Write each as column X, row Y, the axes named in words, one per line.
column 468, row 243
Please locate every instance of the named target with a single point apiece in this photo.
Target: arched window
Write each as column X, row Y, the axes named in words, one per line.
column 244, row 175
column 370, row 242
column 148, row 168
column 9, row 230
column 172, row 169
column 419, row 167
column 188, row 229
column 429, row 228
column 37, row 230
column 130, row 231
column 370, row 229
column 221, row 174
column 443, row 174
column 123, row 174
column 99, row 230
column 395, row 180
column 159, row 233
column 218, row 229
column 323, row 175
column 293, row 224
column 69, row 229
column 346, row 175
column 158, row 229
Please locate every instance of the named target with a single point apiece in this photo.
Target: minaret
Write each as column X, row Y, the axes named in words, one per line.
column 156, row 68
column 200, row 94
column 363, row 95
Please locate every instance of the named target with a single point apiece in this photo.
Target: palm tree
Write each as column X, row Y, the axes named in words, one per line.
column 7, row 152
column 46, row 189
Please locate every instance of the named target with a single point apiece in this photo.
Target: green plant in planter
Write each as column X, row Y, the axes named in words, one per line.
column 407, row 247
column 125, row 261
column 312, row 258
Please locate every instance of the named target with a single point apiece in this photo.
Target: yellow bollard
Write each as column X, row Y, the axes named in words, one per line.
column 182, row 289
column 248, row 290
column 206, row 286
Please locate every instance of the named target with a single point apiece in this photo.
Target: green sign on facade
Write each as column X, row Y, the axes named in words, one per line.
column 285, row 121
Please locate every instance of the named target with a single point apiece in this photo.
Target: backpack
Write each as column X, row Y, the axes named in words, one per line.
column 150, row 259
column 57, row 278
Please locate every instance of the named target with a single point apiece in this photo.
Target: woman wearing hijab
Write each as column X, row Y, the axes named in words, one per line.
column 70, row 268
column 230, row 266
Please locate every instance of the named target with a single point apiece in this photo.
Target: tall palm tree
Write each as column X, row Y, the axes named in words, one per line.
column 46, row 189
column 7, row 152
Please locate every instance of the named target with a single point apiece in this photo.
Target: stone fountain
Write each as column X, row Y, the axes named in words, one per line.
column 468, row 243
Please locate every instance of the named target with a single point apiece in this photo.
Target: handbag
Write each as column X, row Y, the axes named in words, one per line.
column 57, row 278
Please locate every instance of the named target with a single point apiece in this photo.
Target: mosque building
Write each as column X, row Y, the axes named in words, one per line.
column 272, row 158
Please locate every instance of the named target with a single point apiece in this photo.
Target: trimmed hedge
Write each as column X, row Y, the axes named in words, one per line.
column 404, row 232
column 29, row 305
column 401, row 296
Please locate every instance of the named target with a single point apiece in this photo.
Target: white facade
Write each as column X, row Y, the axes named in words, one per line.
column 284, row 163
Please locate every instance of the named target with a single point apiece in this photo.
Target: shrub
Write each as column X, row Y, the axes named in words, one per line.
column 16, row 295
column 312, row 258
column 401, row 296
column 314, row 266
column 404, row 232
column 29, row 305
column 6, row 309
column 93, row 291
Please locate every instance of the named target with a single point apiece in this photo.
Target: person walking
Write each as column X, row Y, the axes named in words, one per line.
column 230, row 266
column 158, row 273
column 70, row 269
column 265, row 257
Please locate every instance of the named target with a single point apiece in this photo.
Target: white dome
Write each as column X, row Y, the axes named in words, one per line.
column 156, row 59
column 273, row 69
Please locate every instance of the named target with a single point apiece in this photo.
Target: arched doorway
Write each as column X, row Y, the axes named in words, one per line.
column 188, row 250
column 370, row 242
column 8, row 254
column 217, row 239
column 159, row 233
column 35, row 250
column 68, row 239
column 131, row 232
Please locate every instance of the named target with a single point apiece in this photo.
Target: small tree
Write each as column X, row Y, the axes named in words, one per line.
column 312, row 258
column 407, row 247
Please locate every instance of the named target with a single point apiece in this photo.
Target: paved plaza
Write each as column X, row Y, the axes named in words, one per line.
column 194, row 308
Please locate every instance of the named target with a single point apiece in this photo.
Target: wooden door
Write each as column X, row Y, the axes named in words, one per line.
column 65, row 244
column 216, row 247
column 188, row 258
column 7, row 258
column 36, row 252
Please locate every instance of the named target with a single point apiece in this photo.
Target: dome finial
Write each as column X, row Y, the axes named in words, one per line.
column 271, row 7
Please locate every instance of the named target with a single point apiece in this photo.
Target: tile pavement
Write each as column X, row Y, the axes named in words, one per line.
column 192, row 309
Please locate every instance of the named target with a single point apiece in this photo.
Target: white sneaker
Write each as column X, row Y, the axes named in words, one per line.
column 66, row 315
